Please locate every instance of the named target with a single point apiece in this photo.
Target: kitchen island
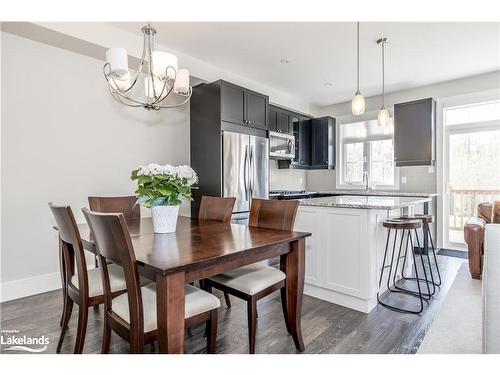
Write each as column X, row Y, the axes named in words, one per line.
column 345, row 253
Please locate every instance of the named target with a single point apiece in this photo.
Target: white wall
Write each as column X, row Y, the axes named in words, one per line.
column 64, row 138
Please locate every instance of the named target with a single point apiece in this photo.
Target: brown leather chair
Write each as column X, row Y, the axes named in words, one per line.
column 474, row 237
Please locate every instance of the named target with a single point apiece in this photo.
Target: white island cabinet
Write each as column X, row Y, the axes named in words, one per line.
column 345, row 252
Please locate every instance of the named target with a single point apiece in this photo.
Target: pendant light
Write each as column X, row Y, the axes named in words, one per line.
column 383, row 113
column 358, row 101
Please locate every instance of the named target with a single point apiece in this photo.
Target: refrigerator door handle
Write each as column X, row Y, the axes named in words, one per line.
column 245, row 172
column 252, row 171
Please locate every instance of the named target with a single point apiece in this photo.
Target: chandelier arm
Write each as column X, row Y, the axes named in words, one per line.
column 122, row 94
column 179, row 104
column 117, row 97
column 170, row 88
column 150, row 64
column 138, row 71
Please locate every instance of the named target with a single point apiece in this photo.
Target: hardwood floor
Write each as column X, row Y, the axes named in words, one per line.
column 326, row 327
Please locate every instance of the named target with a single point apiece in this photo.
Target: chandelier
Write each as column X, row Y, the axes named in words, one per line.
column 161, row 79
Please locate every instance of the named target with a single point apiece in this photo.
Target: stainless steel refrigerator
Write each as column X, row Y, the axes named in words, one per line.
column 245, row 170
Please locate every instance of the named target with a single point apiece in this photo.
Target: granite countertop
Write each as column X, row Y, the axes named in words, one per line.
column 381, row 193
column 364, row 202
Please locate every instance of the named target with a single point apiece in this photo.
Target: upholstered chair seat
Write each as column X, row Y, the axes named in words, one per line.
column 197, row 302
column 116, row 280
column 250, row 279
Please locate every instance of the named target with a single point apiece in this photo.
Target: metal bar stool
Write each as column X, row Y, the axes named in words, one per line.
column 426, row 220
column 406, row 226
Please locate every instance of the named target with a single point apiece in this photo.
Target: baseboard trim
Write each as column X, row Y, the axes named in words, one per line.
column 30, row 286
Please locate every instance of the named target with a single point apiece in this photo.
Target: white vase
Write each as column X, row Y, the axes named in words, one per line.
column 165, row 218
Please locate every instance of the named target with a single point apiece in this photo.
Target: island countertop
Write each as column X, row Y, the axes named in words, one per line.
column 381, row 193
column 364, row 202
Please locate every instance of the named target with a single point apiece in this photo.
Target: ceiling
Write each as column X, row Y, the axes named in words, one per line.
column 322, row 67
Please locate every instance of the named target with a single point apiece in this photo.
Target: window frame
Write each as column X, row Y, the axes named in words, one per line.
column 341, row 143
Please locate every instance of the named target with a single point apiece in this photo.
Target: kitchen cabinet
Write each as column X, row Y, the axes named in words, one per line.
column 414, row 132
column 302, row 133
column 322, row 133
column 242, row 106
column 273, row 119
column 283, row 122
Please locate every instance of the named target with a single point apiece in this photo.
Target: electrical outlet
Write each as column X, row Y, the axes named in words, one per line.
column 403, row 180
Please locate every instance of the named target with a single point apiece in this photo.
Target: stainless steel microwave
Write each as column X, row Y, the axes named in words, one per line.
column 281, row 146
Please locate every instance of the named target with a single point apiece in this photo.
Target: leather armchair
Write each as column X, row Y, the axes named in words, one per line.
column 474, row 238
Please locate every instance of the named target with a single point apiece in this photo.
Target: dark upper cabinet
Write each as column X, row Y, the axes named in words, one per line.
column 322, row 130
column 283, row 122
column 273, row 119
column 414, row 132
column 302, row 133
column 256, row 109
column 243, row 107
column 233, row 104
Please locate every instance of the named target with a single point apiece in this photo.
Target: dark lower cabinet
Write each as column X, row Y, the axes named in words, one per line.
column 414, row 132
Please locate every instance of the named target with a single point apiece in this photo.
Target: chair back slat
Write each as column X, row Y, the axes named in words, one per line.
column 273, row 214
column 113, row 243
column 216, row 208
column 72, row 246
column 125, row 205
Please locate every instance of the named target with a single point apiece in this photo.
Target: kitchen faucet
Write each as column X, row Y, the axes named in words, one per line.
column 366, row 180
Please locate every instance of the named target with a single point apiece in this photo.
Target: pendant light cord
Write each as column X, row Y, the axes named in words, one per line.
column 357, row 73
column 383, row 75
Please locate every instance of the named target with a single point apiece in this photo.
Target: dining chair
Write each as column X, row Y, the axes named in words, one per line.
column 218, row 209
column 127, row 205
column 256, row 281
column 83, row 287
column 133, row 315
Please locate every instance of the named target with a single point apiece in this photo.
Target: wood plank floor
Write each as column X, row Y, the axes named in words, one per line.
column 326, row 327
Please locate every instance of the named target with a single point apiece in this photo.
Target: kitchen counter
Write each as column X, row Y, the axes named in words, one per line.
column 345, row 253
column 364, row 202
column 382, row 193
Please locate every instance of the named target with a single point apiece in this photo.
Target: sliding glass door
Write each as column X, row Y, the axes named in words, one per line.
column 472, row 165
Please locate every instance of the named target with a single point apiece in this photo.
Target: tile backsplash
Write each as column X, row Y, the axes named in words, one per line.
column 286, row 179
column 420, row 179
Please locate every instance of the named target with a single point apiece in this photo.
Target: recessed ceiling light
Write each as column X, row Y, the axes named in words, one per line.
column 328, row 84
column 285, row 61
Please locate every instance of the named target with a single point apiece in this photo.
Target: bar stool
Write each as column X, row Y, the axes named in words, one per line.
column 406, row 226
column 426, row 220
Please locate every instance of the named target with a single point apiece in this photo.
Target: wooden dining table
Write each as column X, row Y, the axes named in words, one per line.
column 200, row 249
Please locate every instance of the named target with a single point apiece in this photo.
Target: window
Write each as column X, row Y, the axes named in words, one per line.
column 367, row 147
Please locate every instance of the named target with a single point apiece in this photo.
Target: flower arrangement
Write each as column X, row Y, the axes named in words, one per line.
column 164, row 185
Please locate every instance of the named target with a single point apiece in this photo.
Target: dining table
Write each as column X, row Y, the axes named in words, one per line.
column 199, row 249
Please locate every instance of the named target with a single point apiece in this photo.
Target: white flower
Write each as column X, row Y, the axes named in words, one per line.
column 182, row 172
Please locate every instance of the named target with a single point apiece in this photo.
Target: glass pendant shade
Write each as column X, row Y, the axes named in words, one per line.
column 121, row 83
column 162, row 61
column 383, row 117
column 181, row 85
column 358, row 104
column 148, row 87
column 118, row 60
